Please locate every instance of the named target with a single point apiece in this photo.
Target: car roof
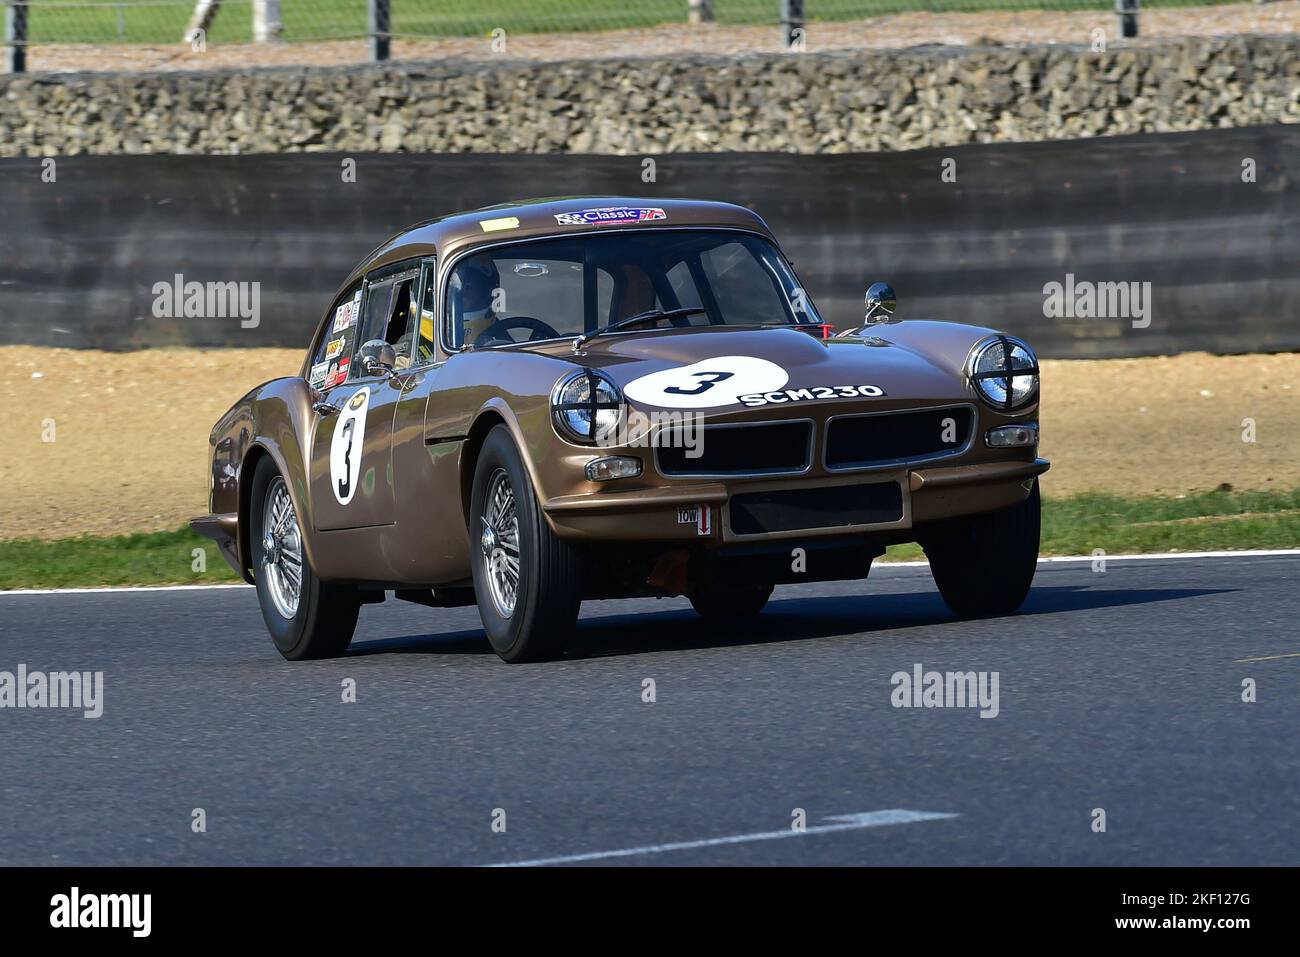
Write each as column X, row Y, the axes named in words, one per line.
column 451, row 234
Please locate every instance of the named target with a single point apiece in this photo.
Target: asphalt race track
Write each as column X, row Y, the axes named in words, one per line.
column 1118, row 690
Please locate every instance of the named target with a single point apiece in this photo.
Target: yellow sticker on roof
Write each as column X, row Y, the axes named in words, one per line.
column 505, row 222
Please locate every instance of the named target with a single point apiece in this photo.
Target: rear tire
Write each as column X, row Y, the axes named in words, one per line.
column 985, row 564
column 730, row 604
column 319, row 620
column 528, row 582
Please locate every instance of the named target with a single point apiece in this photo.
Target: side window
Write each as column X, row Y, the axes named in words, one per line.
column 684, row 288
column 379, row 295
column 401, row 322
column 742, row 287
column 334, row 351
column 388, row 316
column 605, row 287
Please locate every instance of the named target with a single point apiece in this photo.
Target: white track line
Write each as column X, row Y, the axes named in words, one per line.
column 1152, row 557
column 845, row 822
column 1054, row 560
column 119, row 589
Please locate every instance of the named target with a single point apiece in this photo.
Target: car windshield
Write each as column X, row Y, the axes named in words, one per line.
column 553, row 288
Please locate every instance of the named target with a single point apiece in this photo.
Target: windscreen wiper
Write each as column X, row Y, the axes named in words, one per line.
column 641, row 318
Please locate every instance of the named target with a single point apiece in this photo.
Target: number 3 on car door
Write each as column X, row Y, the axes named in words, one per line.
column 352, row 483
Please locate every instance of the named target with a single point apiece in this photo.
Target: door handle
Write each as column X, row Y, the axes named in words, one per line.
column 324, row 408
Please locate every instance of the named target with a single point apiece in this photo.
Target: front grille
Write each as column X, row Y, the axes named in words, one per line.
column 835, row 506
column 773, row 448
column 895, row 438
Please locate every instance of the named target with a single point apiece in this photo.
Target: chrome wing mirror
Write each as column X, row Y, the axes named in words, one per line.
column 377, row 357
column 880, row 302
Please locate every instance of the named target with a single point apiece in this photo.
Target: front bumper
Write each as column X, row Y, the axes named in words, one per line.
column 660, row 514
column 224, row 530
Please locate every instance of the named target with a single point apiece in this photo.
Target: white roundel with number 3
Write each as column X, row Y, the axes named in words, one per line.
column 345, row 450
column 708, row 383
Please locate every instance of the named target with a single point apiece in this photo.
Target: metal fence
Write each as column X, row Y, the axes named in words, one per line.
column 225, row 22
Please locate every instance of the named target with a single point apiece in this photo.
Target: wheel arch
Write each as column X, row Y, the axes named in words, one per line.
column 295, row 480
column 487, row 420
column 495, row 412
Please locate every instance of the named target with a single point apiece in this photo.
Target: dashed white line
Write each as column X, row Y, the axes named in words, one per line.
column 844, row 822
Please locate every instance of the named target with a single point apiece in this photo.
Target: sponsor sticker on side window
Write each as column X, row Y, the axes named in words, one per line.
column 319, row 372
column 338, row 373
column 345, row 315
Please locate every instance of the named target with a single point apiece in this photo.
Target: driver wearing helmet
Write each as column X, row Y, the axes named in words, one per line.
column 471, row 292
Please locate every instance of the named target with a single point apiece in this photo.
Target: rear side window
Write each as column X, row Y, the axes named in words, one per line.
column 686, row 294
column 743, row 288
column 333, row 354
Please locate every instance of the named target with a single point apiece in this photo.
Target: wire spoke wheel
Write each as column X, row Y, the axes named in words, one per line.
column 282, row 560
column 528, row 582
column 499, row 544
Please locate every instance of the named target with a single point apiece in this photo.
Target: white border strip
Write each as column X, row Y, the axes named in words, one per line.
column 1150, row 557
column 119, row 589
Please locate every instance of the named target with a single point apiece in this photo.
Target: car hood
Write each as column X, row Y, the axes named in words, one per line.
column 721, row 370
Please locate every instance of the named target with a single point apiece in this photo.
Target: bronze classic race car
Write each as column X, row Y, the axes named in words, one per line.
column 529, row 405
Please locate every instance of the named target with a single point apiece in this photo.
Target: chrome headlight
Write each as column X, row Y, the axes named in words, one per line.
column 586, row 406
column 1004, row 371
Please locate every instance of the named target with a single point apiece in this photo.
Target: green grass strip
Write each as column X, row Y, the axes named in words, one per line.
column 158, row 558
column 1209, row 521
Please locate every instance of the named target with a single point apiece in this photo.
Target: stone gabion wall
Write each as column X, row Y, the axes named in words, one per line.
column 806, row 103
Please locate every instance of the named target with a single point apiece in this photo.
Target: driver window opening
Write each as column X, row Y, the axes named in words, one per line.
column 389, row 315
column 402, row 324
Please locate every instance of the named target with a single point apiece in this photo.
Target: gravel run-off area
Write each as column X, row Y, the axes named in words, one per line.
column 131, row 429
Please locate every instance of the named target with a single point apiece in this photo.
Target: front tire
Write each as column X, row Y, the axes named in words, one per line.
column 528, row 582
column 985, row 564
column 307, row 618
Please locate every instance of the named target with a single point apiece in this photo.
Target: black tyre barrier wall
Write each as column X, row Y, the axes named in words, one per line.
column 1210, row 220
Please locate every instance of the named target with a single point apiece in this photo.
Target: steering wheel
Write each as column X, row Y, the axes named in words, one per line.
column 538, row 331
